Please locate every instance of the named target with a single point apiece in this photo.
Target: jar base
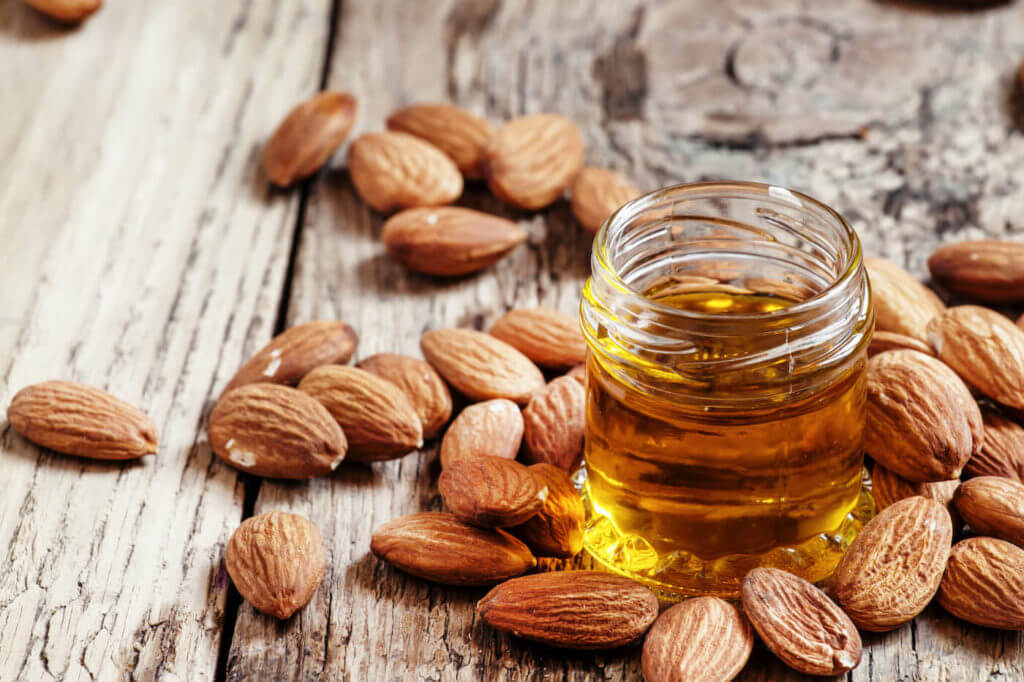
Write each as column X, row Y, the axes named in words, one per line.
column 678, row 575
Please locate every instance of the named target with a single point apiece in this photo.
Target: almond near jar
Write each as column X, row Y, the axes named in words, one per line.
column 727, row 327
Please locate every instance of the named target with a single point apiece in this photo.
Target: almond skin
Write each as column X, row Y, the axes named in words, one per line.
column 275, row 431
column 306, row 138
column 294, row 352
column 1002, row 452
column 276, row 561
column 894, row 566
column 573, row 609
column 799, row 623
column 597, row 193
column 491, row 492
column 554, row 423
column 378, row 420
column 902, row 304
column 548, row 337
column 531, row 160
column 421, row 384
column 456, row 132
column 67, row 11
column 922, row 422
column 438, row 547
column 984, row 583
column 989, row 270
column 392, row 171
column 885, row 341
column 76, row 419
column 493, row 428
column 449, row 241
column 705, row 639
column 993, row 506
column 889, row 488
column 579, row 373
column 985, row 349
column 480, row 366
column 557, row 529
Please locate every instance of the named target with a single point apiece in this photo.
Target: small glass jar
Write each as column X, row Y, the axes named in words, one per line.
column 727, row 327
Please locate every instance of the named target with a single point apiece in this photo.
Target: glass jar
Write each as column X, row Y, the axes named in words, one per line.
column 727, row 327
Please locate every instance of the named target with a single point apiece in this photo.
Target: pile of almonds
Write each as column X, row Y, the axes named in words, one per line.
column 419, row 165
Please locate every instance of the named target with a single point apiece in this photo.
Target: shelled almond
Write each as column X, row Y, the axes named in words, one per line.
column 307, row 137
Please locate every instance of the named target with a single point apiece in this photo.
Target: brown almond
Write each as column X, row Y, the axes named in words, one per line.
column 573, row 609
column 67, row 11
column 531, row 160
column 294, row 352
column 306, row 138
column 438, row 547
column 456, row 132
column 421, row 384
column 889, row 488
column 554, row 422
column 480, row 366
column 705, row 639
column 376, row 416
column 902, row 304
column 392, row 171
column 886, row 341
column 984, row 583
column 493, row 428
column 985, row 349
column 76, row 419
column 893, row 568
column 989, row 270
column 922, row 422
column 276, row 561
column 1002, row 452
column 275, row 431
column 799, row 623
column 557, row 529
column 491, row 492
column 597, row 193
column 449, row 241
column 993, row 506
column 548, row 337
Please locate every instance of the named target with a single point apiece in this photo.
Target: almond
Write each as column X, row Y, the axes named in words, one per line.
column 449, row 241
column 984, row 348
column 597, row 193
column 548, row 337
column 480, row 366
column 493, row 428
column 1002, row 452
column 801, row 625
column 557, row 529
column 456, row 132
column 922, row 422
column 984, row 583
column 579, row 373
column 421, row 384
column 306, row 138
column 574, row 609
column 886, row 341
column 276, row 561
column 491, row 492
column 68, row 11
column 705, row 639
column 532, row 159
column 990, row 270
column 893, row 568
column 294, row 352
column 438, row 547
column 889, row 488
column 554, row 422
column 76, row 419
column 993, row 506
column 275, row 431
column 393, row 171
column 378, row 420
column 902, row 304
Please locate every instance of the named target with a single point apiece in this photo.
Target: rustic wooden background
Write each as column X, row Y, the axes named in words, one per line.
column 142, row 251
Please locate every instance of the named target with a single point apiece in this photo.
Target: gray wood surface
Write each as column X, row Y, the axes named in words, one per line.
column 143, row 252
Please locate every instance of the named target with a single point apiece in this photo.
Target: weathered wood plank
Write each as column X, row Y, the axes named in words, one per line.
column 141, row 250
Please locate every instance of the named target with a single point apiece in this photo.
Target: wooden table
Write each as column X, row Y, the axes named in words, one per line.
column 143, row 252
